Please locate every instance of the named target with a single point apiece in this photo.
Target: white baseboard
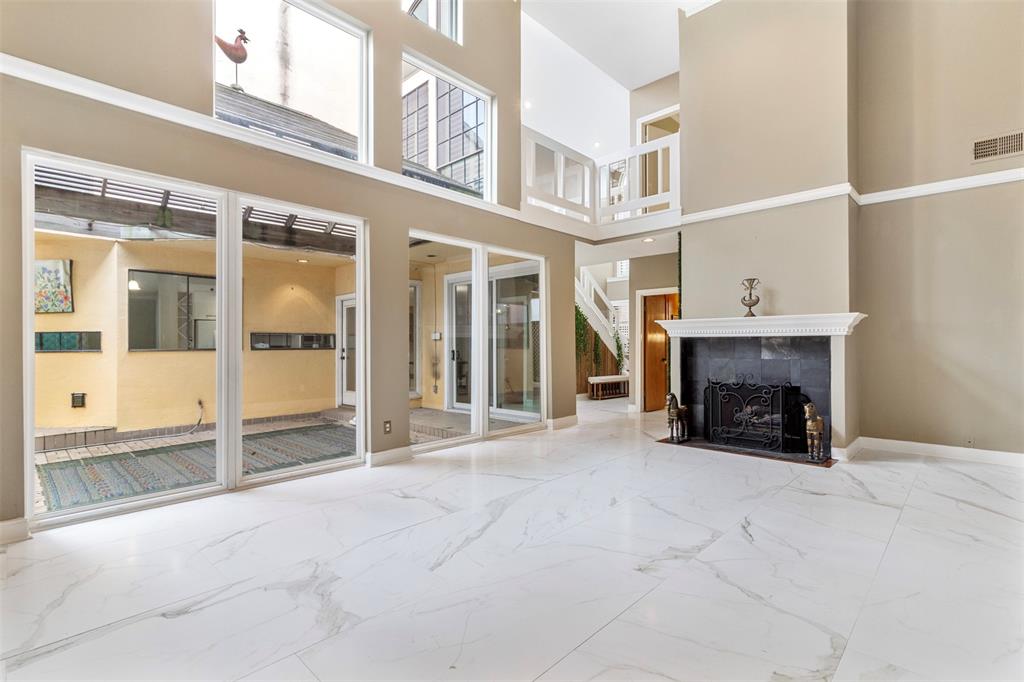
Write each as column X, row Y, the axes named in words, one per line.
column 632, row 407
column 864, row 443
column 562, row 422
column 849, row 452
column 14, row 530
column 379, row 459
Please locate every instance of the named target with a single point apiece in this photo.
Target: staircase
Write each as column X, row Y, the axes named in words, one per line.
column 599, row 311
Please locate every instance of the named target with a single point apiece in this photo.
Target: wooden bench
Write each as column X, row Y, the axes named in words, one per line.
column 614, row 386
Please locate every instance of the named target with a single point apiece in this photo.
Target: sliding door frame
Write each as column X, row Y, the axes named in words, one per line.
column 234, row 449
column 479, row 276
column 539, row 263
column 228, row 431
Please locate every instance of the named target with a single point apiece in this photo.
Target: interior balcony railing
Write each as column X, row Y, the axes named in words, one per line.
column 620, row 186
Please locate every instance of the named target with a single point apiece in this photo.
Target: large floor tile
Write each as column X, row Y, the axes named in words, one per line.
column 586, row 553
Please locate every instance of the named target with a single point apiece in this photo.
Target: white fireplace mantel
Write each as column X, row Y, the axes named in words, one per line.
column 826, row 324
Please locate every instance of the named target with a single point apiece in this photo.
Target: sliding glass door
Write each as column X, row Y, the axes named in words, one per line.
column 299, row 335
column 460, row 352
column 126, row 296
column 515, row 342
column 186, row 339
column 443, row 320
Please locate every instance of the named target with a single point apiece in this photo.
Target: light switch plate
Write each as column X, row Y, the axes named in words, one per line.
column 387, row 426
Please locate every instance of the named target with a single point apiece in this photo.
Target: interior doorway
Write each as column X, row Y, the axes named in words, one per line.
column 656, row 348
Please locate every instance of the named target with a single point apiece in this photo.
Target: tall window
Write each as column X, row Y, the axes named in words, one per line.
column 292, row 71
column 445, row 131
column 440, row 15
column 415, row 125
column 460, row 135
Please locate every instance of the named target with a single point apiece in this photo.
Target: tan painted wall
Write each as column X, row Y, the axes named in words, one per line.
column 763, row 93
column 934, row 75
column 39, row 117
column 652, row 97
column 165, row 51
column 942, row 352
column 164, row 48
column 799, row 252
column 292, row 297
column 93, row 274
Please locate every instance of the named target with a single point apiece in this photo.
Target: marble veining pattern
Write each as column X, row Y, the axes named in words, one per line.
column 587, row 553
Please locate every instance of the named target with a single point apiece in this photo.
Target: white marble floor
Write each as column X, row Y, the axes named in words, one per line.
column 588, row 553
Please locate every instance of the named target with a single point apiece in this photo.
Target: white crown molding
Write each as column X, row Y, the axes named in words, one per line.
column 826, row 324
column 593, row 234
column 906, row 447
column 14, row 530
column 816, row 194
column 940, row 187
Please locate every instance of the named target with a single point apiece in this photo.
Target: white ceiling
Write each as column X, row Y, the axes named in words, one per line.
column 594, row 254
column 633, row 41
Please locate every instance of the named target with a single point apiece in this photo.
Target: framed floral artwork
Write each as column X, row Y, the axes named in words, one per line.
column 53, row 287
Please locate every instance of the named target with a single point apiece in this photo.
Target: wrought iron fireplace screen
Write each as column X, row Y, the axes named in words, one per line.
column 754, row 416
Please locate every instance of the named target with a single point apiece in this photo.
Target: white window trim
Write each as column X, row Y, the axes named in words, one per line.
column 490, row 154
column 229, row 333
column 432, row 19
column 326, row 12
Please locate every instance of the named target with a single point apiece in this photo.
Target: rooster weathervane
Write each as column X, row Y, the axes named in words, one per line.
column 236, row 52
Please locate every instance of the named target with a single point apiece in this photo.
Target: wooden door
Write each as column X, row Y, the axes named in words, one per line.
column 656, row 348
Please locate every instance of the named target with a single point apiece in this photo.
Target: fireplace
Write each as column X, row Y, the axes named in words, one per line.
column 763, row 417
column 745, row 381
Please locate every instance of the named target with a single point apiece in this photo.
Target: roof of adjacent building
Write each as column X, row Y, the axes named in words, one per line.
column 256, row 113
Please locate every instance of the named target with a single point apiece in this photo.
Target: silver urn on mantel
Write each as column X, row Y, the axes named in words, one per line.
column 750, row 299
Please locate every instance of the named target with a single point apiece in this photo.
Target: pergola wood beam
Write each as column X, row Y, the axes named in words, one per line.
column 105, row 209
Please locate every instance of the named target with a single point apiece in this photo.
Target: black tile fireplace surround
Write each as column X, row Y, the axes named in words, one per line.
column 802, row 361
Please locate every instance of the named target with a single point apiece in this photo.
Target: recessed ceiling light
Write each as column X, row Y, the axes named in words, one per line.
column 597, row 145
column 647, row 240
column 527, row 104
column 302, row 260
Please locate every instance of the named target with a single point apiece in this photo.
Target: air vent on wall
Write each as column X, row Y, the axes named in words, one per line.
column 1000, row 146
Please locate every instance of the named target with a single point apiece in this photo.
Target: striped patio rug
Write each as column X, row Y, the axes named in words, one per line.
column 93, row 480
